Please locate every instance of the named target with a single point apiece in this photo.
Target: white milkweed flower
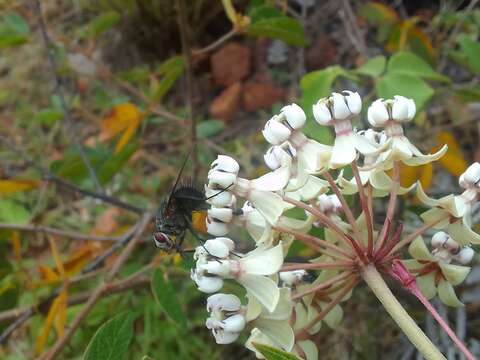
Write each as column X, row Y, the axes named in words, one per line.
column 338, row 111
column 219, row 219
column 457, row 207
column 329, row 204
column 390, row 114
column 435, row 272
column 250, row 270
column 223, row 177
column 226, row 320
column 285, row 127
column 372, row 171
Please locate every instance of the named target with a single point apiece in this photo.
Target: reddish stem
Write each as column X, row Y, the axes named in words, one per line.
column 322, row 285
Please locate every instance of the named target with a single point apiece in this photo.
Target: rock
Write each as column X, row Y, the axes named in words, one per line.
column 230, row 64
column 261, row 95
column 225, row 105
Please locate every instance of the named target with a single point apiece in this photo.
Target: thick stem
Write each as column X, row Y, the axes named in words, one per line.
column 418, row 338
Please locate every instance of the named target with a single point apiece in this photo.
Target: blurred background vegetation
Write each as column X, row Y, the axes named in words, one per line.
column 100, row 105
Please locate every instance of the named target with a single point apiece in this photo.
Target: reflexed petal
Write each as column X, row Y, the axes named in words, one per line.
column 363, row 145
column 424, row 198
column 400, row 149
column 321, row 113
column 269, row 204
column 433, row 215
column 283, row 309
column 340, row 108
column 343, row 152
column 257, row 337
column 295, row 115
column 254, row 308
column 421, row 159
column 454, row 274
column 272, row 181
column 446, row 293
column 314, row 156
column 334, row 317
column 263, row 288
column 234, row 323
column 280, row 332
column 412, row 264
column 419, row 250
column 377, row 113
column 223, row 302
column 266, row 262
column 312, row 188
column 427, row 286
column 309, row 348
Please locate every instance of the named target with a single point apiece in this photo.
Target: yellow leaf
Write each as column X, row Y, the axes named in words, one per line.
column 12, row 186
column 453, row 161
column 61, row 318
column 43, row 337
column 408, row 175
column 48, row 274
column 17, row 246
column 79, row 258
column 124, row 117
column 56, row 257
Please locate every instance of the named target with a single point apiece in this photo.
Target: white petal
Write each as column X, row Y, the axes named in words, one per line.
column 419, row 250
column 295, row 115
column 269, row 204
column 283, row 309
column 334, row 317
column 279, row 331
column 275, row 133
column 340, row 108
column 377, row 113
column 257, row 337
column 427, row 286
column 273, row 158
column 400, row 108
column 217, row 267
column 465, row 256
column 221, row 179
column 265, row 262
column 263, row 288
column 321, row 113
column 222, row 214
column 223, row 302
column 363, row 145
column 354, row 101
column 218, row 197
column 309, row 349
column 439, row 239
column 209, row 284
column 446, row 293
column 224, row 337
column 463, row 234
column 272, row 181
column 454, row 274
column 400, row 148
column 218, row 247
column 421, row 159
column 234, row 323
column 472, row 174
column 411, row 108
column 343, row 152
column 217, row 228
column 433, row 215
column 226, row 163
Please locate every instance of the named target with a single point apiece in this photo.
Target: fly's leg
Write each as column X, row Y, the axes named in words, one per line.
column 198, row 238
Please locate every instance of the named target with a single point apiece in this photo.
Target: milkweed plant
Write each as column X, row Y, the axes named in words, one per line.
column 279, row 307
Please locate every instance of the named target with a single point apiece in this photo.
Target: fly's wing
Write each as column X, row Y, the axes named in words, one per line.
column 189, row 197
column 177, row 180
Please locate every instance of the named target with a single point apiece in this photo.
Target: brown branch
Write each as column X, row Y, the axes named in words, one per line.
column 216, row 43
column 97, row 293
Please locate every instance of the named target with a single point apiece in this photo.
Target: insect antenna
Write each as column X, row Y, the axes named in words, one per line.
column 177, row 180
column 221, row 191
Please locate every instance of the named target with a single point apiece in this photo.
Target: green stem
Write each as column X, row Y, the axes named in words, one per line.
column 418, row 338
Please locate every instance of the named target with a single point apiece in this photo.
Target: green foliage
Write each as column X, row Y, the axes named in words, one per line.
column 410, row 64
column 166, row 296
column 13, row 30
column 12, row 211
column 374, row 67
column 209, row 128
column 170, row 70
column 102, row 23
column 471, row 53
column 112, row 340
column 272, row 353
column 269, row 22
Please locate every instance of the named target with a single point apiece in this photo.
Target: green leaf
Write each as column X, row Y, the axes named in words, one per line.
column 261, row 12
column 48, row 116
column 103, row 22
column 13, row 212
column 373, row 67
column 166, row 296
column 13, row 30
column 468, row 94
column 283, row 28
column 115, row 163
column 407, row 85
column 272, row 353
column 471, row 49
column 410, row 64
column 209, row 128
column 112, row 339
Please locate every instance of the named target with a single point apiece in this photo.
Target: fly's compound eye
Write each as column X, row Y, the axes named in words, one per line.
column 162, row 240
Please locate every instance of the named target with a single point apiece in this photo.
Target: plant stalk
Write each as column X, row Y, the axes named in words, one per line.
column 418, row 338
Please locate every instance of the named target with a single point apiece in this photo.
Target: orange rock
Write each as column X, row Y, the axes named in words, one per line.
column 230, row 64
column 225, row 105
column 261, row 95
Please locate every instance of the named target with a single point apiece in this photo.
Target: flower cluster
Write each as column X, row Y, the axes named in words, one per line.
column 283, row 304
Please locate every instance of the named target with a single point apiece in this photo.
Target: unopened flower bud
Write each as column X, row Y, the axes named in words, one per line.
column 207, row 284
column 217, row 228
column 223, row 214
column 322, row 113
column 223, row 302
column 276, row 156
column 295, row 115
column 471, row 176
column 218, row 197
column 219, row 247
column 226, row 163
column 441, row 240
column 377, row 113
